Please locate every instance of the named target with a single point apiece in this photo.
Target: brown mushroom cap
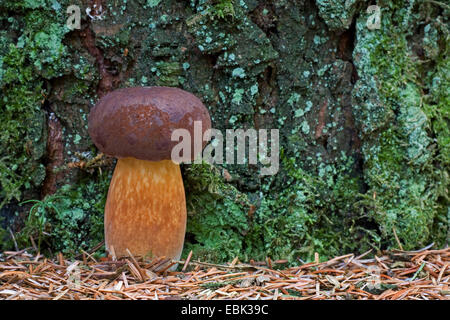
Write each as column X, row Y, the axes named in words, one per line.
column 138, row 122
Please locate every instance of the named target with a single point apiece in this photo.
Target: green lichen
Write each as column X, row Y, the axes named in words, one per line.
column 338, row 15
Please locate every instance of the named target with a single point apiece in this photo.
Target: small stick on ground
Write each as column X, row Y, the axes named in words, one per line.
column 397, row 239
column 187, row 261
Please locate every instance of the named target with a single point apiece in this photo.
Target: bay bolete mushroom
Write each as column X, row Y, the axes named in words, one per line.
column 145, row 209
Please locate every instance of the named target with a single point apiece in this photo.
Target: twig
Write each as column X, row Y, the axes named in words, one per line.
column 187, row 261
column 14, row 239
column 443, row 5
column 418, row 271
column 397, row 239
column 415, row 251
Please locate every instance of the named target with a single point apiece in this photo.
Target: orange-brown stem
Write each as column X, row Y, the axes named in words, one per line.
column 145, row 210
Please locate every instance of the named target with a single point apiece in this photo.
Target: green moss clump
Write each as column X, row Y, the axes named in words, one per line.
column 168, row 73
column 310, row 215
column 218, row 215
column 214, row 9
column 221, row 9
column 313, row 213
column 69, row 220
column 22, row 122
column 405, row 173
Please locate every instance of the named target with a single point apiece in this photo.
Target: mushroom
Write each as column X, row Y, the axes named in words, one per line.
column 145, row 210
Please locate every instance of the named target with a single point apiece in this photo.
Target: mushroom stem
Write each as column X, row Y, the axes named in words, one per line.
column 145, row 209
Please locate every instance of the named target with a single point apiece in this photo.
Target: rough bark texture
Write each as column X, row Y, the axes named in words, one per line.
column 363, row 118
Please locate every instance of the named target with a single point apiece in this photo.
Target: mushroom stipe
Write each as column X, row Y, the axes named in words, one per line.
column 145, row 210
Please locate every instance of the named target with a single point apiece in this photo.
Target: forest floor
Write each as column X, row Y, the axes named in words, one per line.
column 415, row 275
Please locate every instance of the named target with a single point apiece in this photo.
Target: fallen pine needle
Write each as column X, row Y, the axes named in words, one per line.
column 25, row 276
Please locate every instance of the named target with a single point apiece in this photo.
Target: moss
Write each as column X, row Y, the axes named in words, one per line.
column 312, row 215
column 308, row 216
column 218, row 216
column 168, row 73
column 404, row 176
column 221, row 9
column 22, row 121
column 69, row 220
column 214, row 9
column 35, row 53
